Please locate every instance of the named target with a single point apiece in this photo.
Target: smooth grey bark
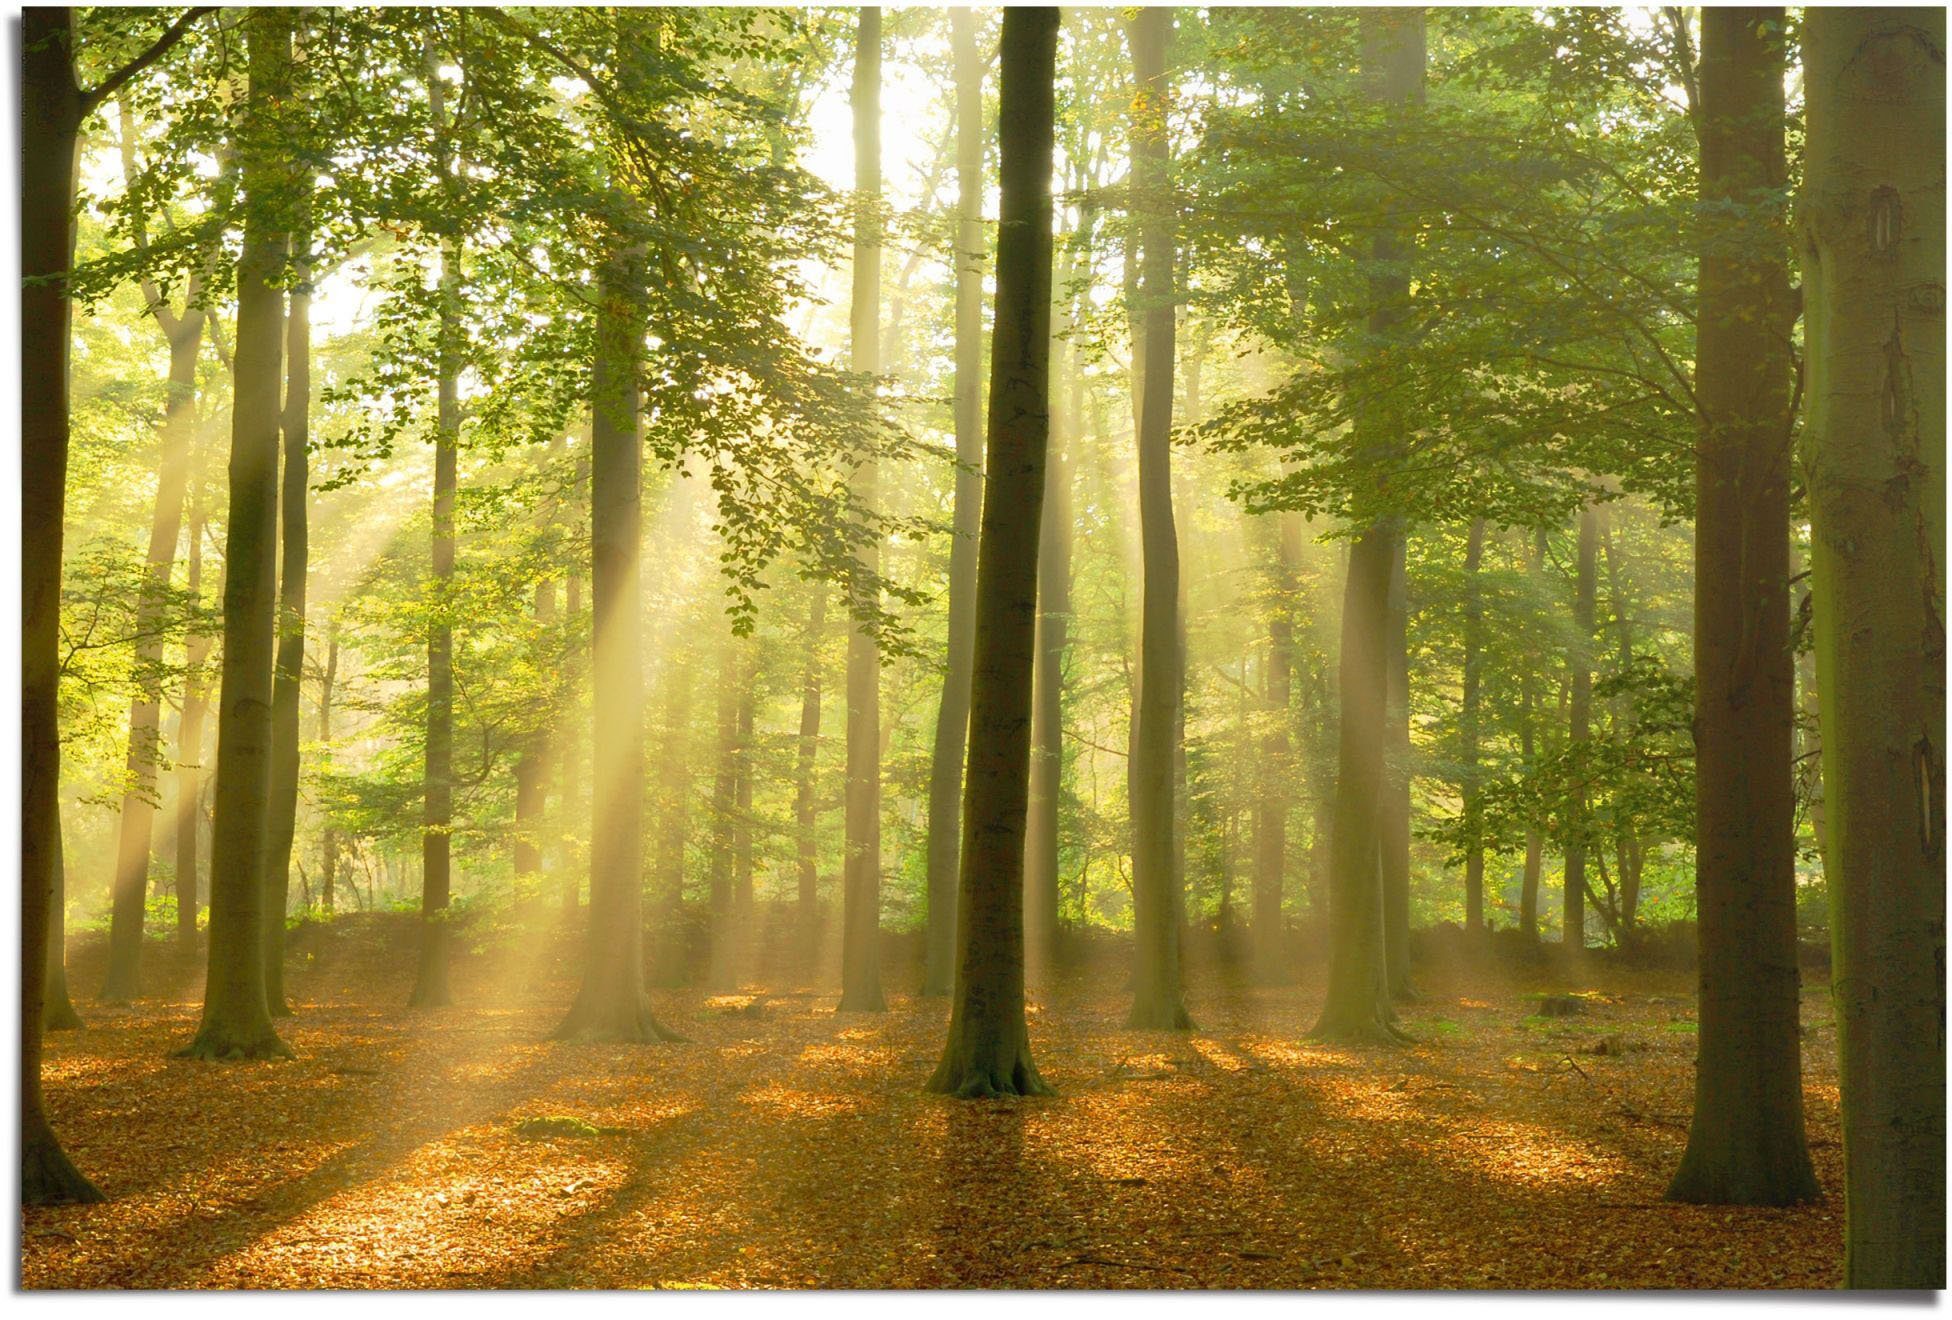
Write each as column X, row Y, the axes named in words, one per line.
column 987, row 1052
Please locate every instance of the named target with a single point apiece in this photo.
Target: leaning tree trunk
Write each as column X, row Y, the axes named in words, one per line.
column 613, row 1004
column 1467, row 731
column 290, row 672
column 988, row 1049
column 137, row 825
column 236, row 1018
column 1746, row 1143
column 952, row 714
column 1358, row 1002
column 1873, row 231
column 860, row 955
column 430, row 988
column 1572, row 934
column 1157, row 1000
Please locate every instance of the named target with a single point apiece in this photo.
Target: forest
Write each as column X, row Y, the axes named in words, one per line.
column 1096, row 648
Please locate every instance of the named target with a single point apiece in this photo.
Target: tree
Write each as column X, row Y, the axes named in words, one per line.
column 1468, row 727
column 183, row 331
column 1579, row 714
column 988, row 1048
column 1745, row 1141
column 860, row 957
column 1157, row 1000
column 1873, row 249
column 290, row 670
column 236, row 1019
column 189, row 728
column 952, row 714
column 1357, row 1005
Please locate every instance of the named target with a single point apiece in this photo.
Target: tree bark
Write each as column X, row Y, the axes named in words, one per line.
column 1468, row 729
column 860, row 958
column 669, row 962
column 1358, row 1002
column 1528, row 890
column 1396, row 793
column 532, row 778
column 236, row 1018
column 722, row 975
column 1276, row 771
column 987, row 1052
column 952, row 713
column 1157, row 999
column 572, row 736
column 1579, row 661
column 290, row 672
column 1873, row 233
column 806, row 818
column 328, row 836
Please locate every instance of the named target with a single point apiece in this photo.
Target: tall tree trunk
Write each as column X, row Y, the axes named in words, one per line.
column 613, row 1004
column 189, row 731
column 571, row 731
column 1468, row 729
column 58, row 1012
column 1528, row 885
column 430, row 988
column 328, row 836
column 145, row 754
column 952, row 714
column 1579, row 660
column 1157, row 1000
column 1396, row 793
column 1276, row 773
column 1874, row 279
column 1746, row 1143
column 722, row 975
column 668, row 963
column 283, row 823
column 987, row 1052
column 1358, row 1003
column 806, row 819
column 860, row 956
column 236, row 1018
column 532, row 778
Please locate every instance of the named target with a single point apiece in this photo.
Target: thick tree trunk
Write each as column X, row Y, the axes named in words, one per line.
column 613, row 1004
column 1468, row 729
column 1746, row 1143
column 1358, row 1003
column 1157, row 1000
column 988, row 1048
column 1874, row 281
column 145, row 754
column 290, row 673
column 952, row 714
column 236, row 1018
column 806, row 818
column 860, row 957
column 1579, row 661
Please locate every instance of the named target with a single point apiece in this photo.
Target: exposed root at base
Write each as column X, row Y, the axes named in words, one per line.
column 222, row 1047
column 49, row 1177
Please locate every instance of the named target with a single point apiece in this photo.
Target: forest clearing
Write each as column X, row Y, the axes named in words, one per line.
column 1096, row 647
column 787, row 1147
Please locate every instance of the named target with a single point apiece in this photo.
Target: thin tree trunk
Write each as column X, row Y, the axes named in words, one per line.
column 1468, row 729
column 329, row 837
column 860, row 958
column 1157, row 1000
column 987, row 1052
column 668, row 966
column 290, row 672
column 1528, row 890
column 805, row 812
column 571, row 729
column 1358, row 1002
column 1047, row 694
column 1579, row 661
column 952, row 713
column 532, row 777
column 722, row 975
column 1873, row 237
column 236, row 1019
column 1271, row 804
column 1396, row 793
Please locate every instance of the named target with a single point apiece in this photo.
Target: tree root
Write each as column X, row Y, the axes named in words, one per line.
column 221, row 1045
column 49, row 1177
column 625, row 1024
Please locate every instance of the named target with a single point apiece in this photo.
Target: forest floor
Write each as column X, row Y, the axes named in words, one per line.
column 787, row 1146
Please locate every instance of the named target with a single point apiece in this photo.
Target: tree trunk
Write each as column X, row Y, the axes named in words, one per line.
column 121, row 982
column 1468, row 729
column 1874, row 281
column 532, row 778
column 668, row 963
column 1358, row 1002
column 329, row 837
column 1271, row 805
column 988, row 1048
column 236, row 1019
column 1528, row 885
column 1746, row 1142
column 1572, row 933
column 805, row 813
column 1047, row 687
column 612, row 1004
column 860, row 957
column 290, row 673
column 570, row 732
column 952, row 714
column 1396, row 793
column 1157, row 999
column 722, row 976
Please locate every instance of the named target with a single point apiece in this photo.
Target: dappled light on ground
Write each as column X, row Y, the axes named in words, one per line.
column 789, row 1146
